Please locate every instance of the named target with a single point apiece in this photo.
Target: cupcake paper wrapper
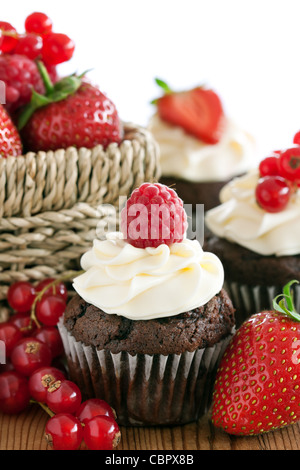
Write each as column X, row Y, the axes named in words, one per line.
column 145, row 389
column 248, row 300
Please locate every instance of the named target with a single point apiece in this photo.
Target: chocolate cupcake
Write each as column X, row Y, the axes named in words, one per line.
column 150, row 320
column 152, row 372
column 200, row 149
column 255, row 232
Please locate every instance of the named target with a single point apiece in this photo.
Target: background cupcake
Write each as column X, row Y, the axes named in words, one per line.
column 256, row 232
column 201, row 148
column 151, row 320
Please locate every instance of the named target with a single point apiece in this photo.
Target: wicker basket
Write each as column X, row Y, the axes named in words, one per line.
column 51, row 203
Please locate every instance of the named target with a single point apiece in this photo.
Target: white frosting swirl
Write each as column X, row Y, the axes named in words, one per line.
column 240, row 219
column 143, row 284
column 186, row 157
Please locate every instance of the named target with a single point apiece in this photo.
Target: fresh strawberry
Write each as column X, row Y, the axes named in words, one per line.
column 257, row 387
column 71, row 113
column 10, row 142
column 198, row 111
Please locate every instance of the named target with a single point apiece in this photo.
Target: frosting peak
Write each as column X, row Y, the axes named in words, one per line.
column 143, row 284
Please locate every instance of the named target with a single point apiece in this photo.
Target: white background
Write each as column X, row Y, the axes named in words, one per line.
column 247, row 50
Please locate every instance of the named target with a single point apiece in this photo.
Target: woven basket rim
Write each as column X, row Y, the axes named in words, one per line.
column 53, row 180
column 132, row 132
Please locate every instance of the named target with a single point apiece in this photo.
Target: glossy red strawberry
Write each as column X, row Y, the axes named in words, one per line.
column 198, row 111
column 10, row 141
column 72, row 113
column 257, row 387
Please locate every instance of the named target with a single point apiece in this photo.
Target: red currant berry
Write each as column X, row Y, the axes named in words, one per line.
column 296, row 139
column 10, row 335
column 153, row 215
column 50, row 309
column 41, row 379
column 38, row 23
column 50, row 336
column 24, row 323
column 64, row 432
column 272, row 193
column 21, row 296
column 94, row 407
column 63, row 397
column 58, row 289
column 101, row 433
column 269, row 166
column 57, row 48
column 14, row 392
column 289, row 164
column 30, row 354
column 9, row 37
column 29, row 45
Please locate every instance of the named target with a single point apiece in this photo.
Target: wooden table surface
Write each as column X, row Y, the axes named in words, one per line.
column 26, row 432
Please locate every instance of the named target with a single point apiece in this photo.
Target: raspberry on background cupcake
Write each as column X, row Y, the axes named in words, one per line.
column 201, row 147
column 255, row 231
column 150, row 319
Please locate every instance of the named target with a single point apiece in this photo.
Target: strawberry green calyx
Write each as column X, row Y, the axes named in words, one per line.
column 286, row 304
column 54, row 93
column 164, row 86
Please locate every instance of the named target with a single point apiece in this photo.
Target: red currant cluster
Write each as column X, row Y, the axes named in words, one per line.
column 34, row 373
column 39, row 41
column 279, row 178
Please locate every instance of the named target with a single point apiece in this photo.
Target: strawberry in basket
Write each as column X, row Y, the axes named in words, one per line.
column 71, row 113
column 51, row 113
column 10, row 142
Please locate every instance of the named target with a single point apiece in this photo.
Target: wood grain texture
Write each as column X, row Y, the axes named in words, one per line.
column 26, row 432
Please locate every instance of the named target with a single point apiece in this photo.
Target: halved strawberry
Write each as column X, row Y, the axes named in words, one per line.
column 198, row 111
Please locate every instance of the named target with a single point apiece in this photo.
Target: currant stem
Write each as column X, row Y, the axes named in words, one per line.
column 39, row 295
column 45, row 407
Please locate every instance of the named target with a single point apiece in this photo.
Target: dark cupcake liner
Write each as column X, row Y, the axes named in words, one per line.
column 248, row 300
column 145, row 390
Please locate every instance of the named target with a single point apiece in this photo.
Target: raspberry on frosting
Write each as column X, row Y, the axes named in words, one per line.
column 153, row 215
